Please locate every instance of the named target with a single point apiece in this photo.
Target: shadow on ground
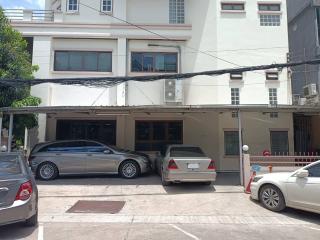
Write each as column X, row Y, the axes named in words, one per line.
column 297, row 214
column 16, row 231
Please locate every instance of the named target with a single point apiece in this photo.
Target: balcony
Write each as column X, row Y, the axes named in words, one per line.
column 29, row 15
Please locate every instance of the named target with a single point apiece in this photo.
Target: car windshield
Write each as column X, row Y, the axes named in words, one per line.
column 186, row 152
column 9, row 165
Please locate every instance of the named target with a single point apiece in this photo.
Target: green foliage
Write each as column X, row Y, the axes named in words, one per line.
column 15, row 63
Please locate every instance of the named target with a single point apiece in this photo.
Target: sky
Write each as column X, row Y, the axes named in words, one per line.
column 20, row 4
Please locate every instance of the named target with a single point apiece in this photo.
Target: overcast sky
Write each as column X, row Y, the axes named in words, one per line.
column 29, row 4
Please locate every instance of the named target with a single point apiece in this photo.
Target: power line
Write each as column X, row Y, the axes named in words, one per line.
column 157, row 34
column 112, row 81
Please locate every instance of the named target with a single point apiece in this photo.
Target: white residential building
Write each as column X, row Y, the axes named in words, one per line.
column 99, row 38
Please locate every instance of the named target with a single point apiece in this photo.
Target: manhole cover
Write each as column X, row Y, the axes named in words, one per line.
column 97, row 207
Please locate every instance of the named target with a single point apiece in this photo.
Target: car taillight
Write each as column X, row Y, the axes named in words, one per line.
column 212, row 165
column 25, row 191
column 172, row 165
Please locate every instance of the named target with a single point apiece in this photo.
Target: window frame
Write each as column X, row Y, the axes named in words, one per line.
column 269, row 5
column 229, row 154
column 272, row 75
column 111, row 6
column 82, row 61
column 153, row 61
column 176, row 19
column 72, row 10
column 232, row 4
column 151, row 140
column 236, row 76
column 273, row 96
column 287, row 139
column 235, row 96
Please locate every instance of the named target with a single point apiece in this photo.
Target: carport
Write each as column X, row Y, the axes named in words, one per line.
column 201, row 124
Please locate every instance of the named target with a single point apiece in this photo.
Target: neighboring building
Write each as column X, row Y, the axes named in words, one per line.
column 73, row 39
column 304, row 37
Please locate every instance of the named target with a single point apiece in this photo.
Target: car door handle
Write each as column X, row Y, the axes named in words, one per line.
column 4, row 189
column 89, row 154
column 58, row 154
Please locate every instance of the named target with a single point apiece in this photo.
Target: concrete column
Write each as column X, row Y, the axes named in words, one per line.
column 122, row 70
column 10, row 132
column 240, row 147
column 247, row 169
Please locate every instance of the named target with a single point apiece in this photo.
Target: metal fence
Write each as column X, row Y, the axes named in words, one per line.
column 285, row 161
column 14, row 14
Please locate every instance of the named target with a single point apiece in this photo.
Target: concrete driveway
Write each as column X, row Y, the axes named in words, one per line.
column 186, row 211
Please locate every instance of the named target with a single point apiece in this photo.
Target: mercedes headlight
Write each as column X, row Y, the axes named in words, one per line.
column 256, row 179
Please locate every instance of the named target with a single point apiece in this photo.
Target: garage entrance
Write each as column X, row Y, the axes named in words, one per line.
column 103, row 131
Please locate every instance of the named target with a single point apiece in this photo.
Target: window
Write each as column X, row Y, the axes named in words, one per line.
column 154, row 62
column 318, row 23
column 235, row 96
column 176, row 11
column 236, row 76
column 155, row 135
column 269, row 20
column 234, row 115
column 83, row 61
column 103, row 131
column 279, row 142
column 274, row 115
column 72, row 5
column 273, row 96
column 9, row 165
column 269, row 7
column 106, row 5
column 232, row 6
column 186, row 152
column 314, row 171
column 231, row 143
column 272, row 75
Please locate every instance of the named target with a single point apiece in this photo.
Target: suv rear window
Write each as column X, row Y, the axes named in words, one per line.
column 186, row 152
column 9, row 165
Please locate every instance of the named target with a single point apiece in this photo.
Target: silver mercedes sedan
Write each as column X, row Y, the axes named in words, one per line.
column 18, row 191
column 79, row 157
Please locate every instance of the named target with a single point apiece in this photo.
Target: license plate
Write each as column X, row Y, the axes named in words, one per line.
column 193, row 165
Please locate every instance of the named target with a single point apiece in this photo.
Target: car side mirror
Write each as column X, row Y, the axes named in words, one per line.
column 303, row 174
column 107, row 151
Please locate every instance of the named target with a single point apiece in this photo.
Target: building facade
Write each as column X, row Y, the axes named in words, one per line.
column 94, row 38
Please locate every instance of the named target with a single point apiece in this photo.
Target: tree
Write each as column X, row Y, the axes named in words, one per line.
column 15, row 63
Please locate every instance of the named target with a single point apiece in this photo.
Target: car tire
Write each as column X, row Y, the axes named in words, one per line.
column 129, row 169
column 47, row 171
column 272, row 198
column 164, row 182
column 33, row 221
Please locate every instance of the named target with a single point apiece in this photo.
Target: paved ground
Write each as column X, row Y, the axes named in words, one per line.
column 188, row 211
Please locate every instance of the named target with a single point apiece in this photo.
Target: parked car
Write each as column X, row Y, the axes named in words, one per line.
column 299, row 189
column 184, row 163
column 18, row 191
column 79, row 157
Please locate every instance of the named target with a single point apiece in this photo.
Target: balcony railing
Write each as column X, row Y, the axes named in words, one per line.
column 30, row 15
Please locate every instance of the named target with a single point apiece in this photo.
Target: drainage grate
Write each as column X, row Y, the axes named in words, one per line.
column 111, row 207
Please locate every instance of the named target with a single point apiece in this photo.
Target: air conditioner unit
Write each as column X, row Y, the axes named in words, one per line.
column 173, row 91
column 310, row 90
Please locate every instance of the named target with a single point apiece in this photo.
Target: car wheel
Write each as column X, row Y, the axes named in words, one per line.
column 33, row 221
column 129, row 169
column 47, row 171
column 272, row 198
